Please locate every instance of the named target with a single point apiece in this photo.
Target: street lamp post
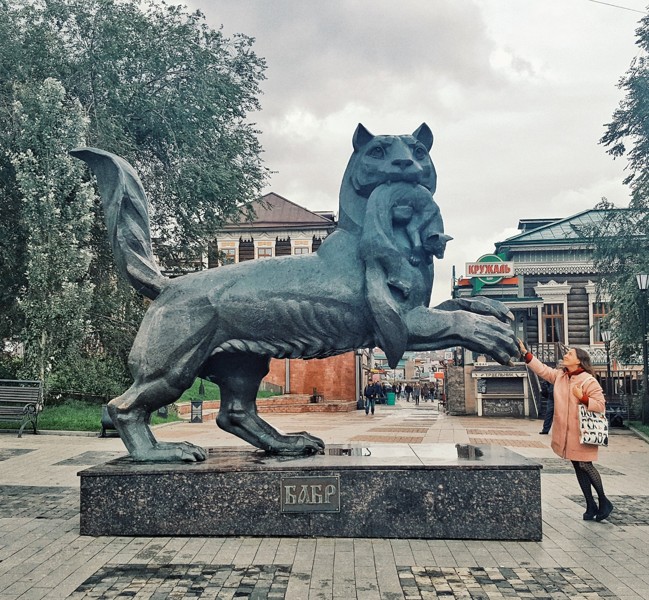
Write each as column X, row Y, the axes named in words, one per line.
column 606, row 338
column 643, row 285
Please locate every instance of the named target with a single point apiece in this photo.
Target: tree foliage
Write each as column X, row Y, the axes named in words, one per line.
column 56, row 214
column 151, row 82
column 622, row 240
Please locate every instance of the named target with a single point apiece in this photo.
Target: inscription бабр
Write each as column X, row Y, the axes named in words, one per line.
column 310, row 494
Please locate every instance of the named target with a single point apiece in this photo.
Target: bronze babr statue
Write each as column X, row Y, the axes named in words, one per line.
column 368, row 284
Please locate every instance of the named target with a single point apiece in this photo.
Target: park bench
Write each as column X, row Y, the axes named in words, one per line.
column 21, row 401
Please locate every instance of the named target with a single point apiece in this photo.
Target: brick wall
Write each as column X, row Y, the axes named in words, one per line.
column 333, row 377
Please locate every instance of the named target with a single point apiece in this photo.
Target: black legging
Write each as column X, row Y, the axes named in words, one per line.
column 587, row 476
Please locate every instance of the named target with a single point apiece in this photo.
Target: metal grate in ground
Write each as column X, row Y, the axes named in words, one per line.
column 499, row 582
column 256, row 582
column 38, row 502
column 629, row 510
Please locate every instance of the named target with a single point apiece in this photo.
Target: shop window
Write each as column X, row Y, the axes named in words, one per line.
column 553, row 320
column 600, row 310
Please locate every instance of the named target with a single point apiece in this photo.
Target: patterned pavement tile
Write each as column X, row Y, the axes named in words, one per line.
column 388, row 439
column 90, row 458
column 489, row 582
column 38, row 502
column 7, row 453
column 629, row 510
column 496, row 432
column 256, row 582
column 560, row 466
column 398, row 429
column 486, row 441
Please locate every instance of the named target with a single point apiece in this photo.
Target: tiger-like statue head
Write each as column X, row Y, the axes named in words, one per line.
column 378, row 159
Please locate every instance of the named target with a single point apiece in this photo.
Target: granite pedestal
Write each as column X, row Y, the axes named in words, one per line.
column 382, row 491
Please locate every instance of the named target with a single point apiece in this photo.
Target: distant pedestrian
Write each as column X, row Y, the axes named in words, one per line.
column 416, row 393
column 425, row 392
column 373, row 393
column 408, row 391
column 574, row 384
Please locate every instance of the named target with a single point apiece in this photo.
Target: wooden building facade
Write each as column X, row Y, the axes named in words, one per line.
column 551, row 288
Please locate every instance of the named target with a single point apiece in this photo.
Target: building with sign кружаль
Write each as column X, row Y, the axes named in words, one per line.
column 545, row 276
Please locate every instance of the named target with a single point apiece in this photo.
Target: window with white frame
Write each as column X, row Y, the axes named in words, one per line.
column 553, row 323
column 600, row 310
column 228, row 256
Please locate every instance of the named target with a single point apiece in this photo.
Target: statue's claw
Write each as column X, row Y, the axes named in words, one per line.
column 298, row 444
column 171, row 452
column 479, row 305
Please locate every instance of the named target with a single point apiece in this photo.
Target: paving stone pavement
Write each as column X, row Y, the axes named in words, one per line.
column 42, row 555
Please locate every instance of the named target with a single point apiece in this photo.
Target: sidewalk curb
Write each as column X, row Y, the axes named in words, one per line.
column 642, row 436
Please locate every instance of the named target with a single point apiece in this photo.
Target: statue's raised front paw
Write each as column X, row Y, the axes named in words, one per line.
column 479, row 305
column 492, row 337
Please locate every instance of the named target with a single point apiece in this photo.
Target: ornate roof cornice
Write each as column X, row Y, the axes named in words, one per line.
column 554, row 269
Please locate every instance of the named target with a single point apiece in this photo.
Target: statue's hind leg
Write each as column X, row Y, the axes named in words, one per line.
column 239, row 376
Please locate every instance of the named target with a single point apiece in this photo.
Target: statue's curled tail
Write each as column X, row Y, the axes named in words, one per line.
column 127, row 219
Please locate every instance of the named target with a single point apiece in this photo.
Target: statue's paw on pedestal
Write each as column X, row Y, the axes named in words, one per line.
column 172, row 452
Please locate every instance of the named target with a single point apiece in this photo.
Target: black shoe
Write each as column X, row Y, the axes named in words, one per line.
column 605, row 511
column 543, row 432
column 591, row 513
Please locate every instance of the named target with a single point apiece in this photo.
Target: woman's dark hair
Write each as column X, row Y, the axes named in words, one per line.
column 584, row 360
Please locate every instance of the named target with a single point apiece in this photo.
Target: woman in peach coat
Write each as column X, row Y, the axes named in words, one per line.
column 575, row 384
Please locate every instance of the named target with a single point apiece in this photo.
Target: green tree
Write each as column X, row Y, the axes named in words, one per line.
column 158, row 87
column 621, row 240
column 56, row 214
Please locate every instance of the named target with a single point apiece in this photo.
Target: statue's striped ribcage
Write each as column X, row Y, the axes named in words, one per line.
column 308, row 330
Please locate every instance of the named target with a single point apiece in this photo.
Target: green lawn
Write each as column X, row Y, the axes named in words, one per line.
column 212, row 392
column 75, row 415
column 640, row 427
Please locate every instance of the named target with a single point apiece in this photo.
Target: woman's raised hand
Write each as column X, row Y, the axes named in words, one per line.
column 522, row 347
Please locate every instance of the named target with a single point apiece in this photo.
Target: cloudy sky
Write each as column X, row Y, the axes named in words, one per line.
column 517, row 93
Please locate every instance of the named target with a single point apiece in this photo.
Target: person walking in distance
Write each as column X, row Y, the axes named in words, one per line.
column 372, row 393
column 575, row 384
column 408, row 391
column 416, row 393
